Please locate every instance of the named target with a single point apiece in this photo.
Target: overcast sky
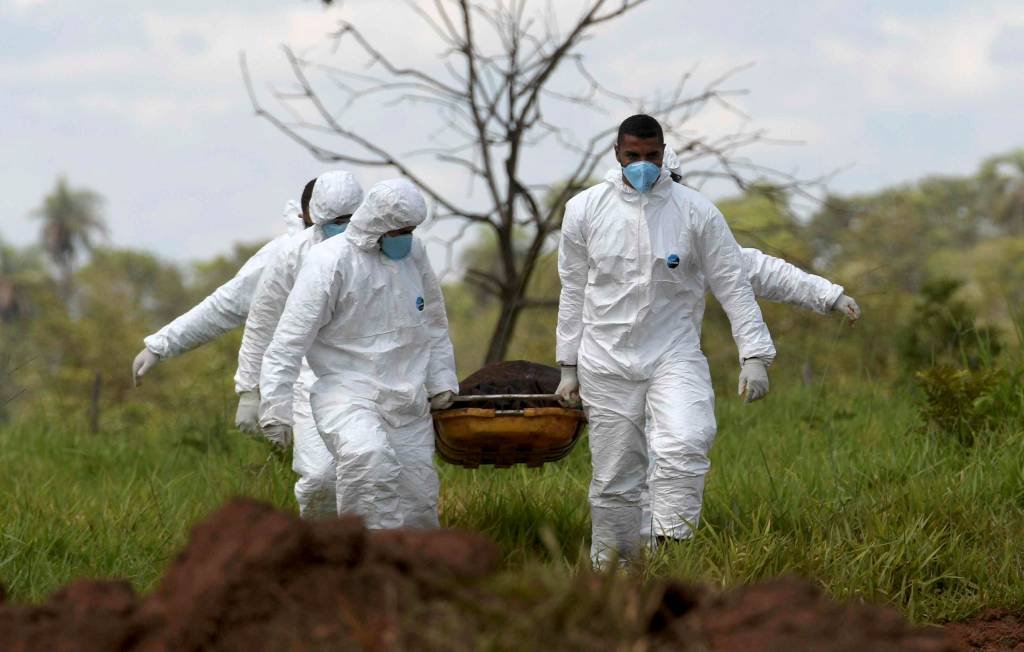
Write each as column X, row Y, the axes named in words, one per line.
column 142, row 101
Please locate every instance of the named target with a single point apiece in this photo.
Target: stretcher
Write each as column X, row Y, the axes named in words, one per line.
column 474, row 436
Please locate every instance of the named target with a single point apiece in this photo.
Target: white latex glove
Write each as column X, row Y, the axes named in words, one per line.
column 847, row 307
column 442, row 401
column 143, row 362
column 278, row 434
column 247, row 416
column 569, row 388
column 753, row 379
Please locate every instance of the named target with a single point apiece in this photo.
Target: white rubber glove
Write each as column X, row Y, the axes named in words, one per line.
column 143, row 362
column 569, row 388
column 847, row 307
column 247, row 416
column 442, row 401
column 753, row 379
column 279, row 435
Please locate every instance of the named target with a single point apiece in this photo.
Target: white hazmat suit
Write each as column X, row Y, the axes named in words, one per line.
column 776, row 280
column 376, row 335
column 633, row 269
column 227, row 307
column 335, row 194
column 771, row 278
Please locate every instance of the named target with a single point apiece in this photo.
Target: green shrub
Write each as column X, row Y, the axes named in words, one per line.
column 967, row 403
column 944, row 330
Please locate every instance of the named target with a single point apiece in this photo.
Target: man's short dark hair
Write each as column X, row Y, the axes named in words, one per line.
column 641, row 126
column 307, row 194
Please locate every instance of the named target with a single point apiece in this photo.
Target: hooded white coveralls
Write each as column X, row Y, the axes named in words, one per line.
column 334, row 194
column 376, row 335
column 633, row 270
column 770, row 278
column 776, row 280
column 227, row 307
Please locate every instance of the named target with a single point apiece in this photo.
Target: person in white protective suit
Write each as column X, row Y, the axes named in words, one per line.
column 225, row 309
column 635, row 253
column 775, row 279
column 368, row 313
column 335, row 196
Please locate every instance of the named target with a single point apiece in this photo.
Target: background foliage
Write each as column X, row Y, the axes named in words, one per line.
column 886, row 463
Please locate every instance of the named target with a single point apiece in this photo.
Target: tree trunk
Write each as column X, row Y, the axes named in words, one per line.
column 501, row 337
column 512, row 301
column 65, row 287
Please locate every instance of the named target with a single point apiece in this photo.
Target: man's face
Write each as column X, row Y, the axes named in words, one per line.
column 631, row 149
column 342, row 219
column 408, row 229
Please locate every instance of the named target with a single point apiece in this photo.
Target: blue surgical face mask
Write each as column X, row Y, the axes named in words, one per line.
column 331, row 229
column 396, row 247
column 641, row 175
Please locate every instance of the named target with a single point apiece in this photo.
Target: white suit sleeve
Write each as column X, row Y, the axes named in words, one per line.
column 722, row 262
column 775, row 279
column 441, row 375
column 572, row 271
column 309, row 307
column 264, row 313
column 215, row 315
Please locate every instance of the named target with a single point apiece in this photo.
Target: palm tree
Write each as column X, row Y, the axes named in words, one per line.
column 71, row 222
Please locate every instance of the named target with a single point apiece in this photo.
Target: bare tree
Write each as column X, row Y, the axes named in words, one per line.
column 493, row 103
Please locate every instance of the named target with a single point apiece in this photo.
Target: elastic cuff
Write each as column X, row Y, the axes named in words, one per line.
column 157, row 345
column 441, row 389
column 834, row 296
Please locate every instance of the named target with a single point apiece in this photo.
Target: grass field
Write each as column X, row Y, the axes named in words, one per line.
column 841, row 487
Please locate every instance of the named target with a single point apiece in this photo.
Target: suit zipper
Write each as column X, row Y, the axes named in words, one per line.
column 639, row 269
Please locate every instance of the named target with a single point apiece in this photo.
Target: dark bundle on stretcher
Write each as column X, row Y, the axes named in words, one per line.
column 505, row 429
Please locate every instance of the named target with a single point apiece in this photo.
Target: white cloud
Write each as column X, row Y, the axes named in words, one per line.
column 154, row 110
column 70, row 67
column 943, row 57
column 192, row 59
column 26, row 4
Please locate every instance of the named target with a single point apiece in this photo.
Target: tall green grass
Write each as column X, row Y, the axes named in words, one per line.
column 117, row 504
column 844, row 487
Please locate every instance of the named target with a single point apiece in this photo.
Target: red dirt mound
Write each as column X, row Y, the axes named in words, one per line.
column 790, row 614
column 991, row 631
column 84, row 615
column 253, row 578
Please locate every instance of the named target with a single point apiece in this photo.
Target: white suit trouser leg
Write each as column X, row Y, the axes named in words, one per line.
column 681, row 431
column 671, row 459
column 385, row 474
column 618, row 450
column 311, row 461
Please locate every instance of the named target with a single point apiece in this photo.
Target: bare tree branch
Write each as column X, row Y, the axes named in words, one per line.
column 492, row 91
